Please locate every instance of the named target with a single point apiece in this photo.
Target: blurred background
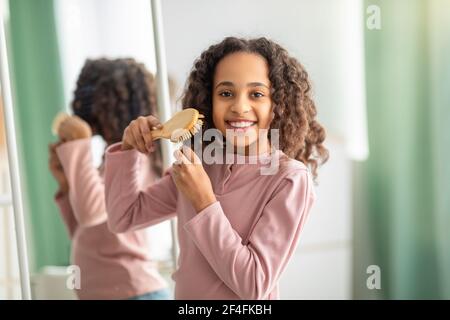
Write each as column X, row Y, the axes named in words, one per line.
column 381, row 78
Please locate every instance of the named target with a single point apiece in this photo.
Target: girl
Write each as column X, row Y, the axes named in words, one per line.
column 109, row 94
column 237, row 227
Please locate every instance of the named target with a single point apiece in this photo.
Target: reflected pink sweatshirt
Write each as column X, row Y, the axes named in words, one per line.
column 237, row 247
column 112, row 266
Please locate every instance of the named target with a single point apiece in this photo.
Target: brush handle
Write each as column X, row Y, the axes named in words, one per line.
column 157, row 134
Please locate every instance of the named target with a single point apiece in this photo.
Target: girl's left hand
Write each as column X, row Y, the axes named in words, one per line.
column 56, row 168
column 74, row 128
column 192, row 180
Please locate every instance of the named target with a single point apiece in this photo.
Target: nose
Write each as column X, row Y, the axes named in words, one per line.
column 241, row 105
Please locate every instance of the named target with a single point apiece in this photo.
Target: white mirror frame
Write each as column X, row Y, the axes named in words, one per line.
column 13, row 160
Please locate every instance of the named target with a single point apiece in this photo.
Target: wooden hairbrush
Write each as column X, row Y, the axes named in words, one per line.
column 182, row 126
column 60, row 117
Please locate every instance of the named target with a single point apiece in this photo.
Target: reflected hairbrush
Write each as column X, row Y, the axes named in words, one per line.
column 60, row 117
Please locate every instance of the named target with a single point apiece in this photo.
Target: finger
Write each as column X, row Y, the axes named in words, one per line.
column 153, row 123
column 146, row 135
column 181, row 158
column 139, row 141
column 175, row 168
column 54, row 163
column 177, row 171
column 52, row 151
column 128, row 138
column 53, row 155
column 176, row 156
column 190, row 155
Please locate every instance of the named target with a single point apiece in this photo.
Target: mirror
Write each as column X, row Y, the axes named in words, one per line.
column 116, row 47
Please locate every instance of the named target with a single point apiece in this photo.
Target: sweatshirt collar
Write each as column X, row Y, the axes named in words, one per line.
column 231, row 158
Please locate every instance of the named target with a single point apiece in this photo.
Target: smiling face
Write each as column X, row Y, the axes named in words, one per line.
column 241, row 99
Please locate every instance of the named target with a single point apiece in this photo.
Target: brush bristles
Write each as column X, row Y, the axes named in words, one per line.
column 185, row 134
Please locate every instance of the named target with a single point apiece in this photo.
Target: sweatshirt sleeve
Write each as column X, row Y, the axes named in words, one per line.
column 63, row 203
column 131, row 206
column 252, row 270
column 86, row 187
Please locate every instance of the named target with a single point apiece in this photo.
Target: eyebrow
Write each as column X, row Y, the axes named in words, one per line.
column 250, row 84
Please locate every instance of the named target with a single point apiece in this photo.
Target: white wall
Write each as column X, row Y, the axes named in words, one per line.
column 321, row 268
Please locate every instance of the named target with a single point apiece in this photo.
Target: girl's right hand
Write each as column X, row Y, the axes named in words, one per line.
column 138, row 134
column 73, row 128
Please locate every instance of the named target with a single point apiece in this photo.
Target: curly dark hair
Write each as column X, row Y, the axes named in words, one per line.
column 112, row 93
column 301, row 136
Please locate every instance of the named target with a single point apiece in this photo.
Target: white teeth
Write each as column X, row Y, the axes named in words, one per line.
column 240, row 124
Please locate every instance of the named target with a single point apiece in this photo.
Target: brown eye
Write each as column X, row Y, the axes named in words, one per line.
column 225, row 94
column 257, row 94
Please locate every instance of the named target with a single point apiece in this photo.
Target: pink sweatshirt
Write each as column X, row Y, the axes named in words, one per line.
column 112, row 266
column 237, row 247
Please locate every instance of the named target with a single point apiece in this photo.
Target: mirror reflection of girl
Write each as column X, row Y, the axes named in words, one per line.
column 109, row 94
column 237, row 228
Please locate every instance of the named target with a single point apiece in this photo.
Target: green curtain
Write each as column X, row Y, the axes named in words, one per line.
column 37, row 82
column 402, row 207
